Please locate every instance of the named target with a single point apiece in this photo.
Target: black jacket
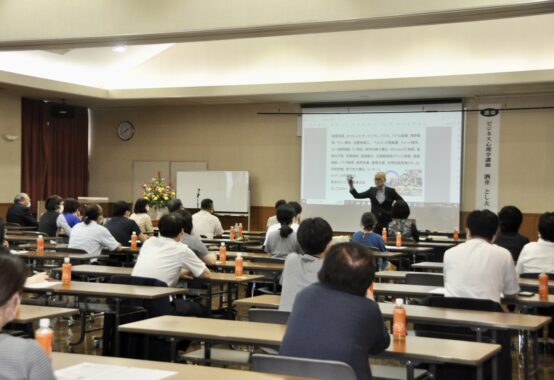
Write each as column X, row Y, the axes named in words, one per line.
column 20, row 214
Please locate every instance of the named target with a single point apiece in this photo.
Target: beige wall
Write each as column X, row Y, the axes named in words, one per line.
column 228, row 137
column 526, row 154
column 234, row 137
column 10, row 152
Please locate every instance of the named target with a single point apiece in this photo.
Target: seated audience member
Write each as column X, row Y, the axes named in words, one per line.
column 3, row 240
column 367, row 237
column 400, row 223
column 121, row 227
column 298, row 209
column 300, row 270
column 141, row 217
column 194, row 242
column 165, row 258
column 295, row 221
column 538, row 257
column 53, row 219
column 205, row 223
column 336, row 319
column 174, row 205
column 71, row 211
column 509, row 220
column 19, row 358
column 273, row 219
column 477, row 268
column 20, row 211
column 283, row 241
column 90, row 235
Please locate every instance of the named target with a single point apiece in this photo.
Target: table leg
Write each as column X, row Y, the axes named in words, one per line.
column 409, row 370
column 117, row 317
column 525, row 354
column 207, row 352
column 535, row 340
column 480, row 372
column 172, row 349
column 210, row 289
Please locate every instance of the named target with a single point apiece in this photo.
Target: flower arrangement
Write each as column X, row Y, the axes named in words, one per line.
column 157, row 193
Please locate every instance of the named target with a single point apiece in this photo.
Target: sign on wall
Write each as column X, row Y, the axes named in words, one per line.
column 488, row 146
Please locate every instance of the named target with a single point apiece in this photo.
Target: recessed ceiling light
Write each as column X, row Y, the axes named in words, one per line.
column 119, row 48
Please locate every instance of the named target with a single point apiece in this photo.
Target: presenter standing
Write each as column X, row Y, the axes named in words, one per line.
column 381, row 197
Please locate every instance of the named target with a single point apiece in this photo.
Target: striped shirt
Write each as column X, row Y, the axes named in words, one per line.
column 23, row 359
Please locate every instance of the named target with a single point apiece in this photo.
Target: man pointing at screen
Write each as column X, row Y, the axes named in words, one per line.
column 381, row 197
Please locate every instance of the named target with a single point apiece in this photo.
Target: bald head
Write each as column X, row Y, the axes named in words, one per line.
column 380, row 179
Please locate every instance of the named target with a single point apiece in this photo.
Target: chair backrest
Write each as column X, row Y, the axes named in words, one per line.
column 71, row 250
column 274, row 260
column 535, row 275
column 156, row 307
column 313, row 368
column 429, row 279
column 464, row 303
column 269, row 316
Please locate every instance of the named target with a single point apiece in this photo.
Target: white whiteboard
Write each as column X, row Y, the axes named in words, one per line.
column 230, row 191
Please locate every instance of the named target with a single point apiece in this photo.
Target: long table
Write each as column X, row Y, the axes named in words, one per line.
column 412, row 350
column 117, row 292
column 182, row 371
column 479, row 321
column 31, row 313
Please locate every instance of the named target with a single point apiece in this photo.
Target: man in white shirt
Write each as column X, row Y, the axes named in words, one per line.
column 477, row 268
column 165, row 258
column 538, row 257
column 205, row 223
column 273, row 219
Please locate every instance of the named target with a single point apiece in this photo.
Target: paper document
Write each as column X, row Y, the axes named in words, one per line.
column 16, row 252
column 93, row 371
column 437, row 291
column 42, row 284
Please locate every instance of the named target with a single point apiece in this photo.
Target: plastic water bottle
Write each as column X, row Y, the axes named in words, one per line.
column 134, row 241
column 223, row 253
column 399, row 320
column 543, row 285
column 238, row 265
column 456, row 234
column 40, row 245
column 231, row 233
column 45, row 336
column 384, row 234
column 66, row 272
column 398, row 239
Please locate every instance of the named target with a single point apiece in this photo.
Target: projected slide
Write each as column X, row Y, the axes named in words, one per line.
column 418, row 147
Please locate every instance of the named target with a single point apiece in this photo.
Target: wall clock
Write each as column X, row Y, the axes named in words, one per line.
column 125, row 130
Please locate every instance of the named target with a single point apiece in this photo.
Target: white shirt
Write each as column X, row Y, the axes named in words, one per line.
column 271, row 221
column 62, row 223
column 163, row 258
column 276, row 227
column 536, row 257
column 479, row 269
column 207, row 224
column 92, row 238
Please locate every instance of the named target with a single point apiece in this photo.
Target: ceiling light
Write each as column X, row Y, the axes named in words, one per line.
column 119, row 48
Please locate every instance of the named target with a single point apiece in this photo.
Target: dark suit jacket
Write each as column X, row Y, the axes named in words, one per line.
column 380, row 210
column 21, row 215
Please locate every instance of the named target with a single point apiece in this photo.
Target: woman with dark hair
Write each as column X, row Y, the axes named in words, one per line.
column 53, row 219
column 19, row 358
column 140, row 215
column 400, row 223
column 71, row 211
column 90, row 235
column 336, row 318
column 282, row 242
column 369, row 238
column 509, row 221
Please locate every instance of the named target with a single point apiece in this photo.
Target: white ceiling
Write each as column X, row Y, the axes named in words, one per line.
column 462, row 59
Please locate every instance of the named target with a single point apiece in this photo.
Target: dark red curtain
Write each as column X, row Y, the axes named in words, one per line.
column 54, row 151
